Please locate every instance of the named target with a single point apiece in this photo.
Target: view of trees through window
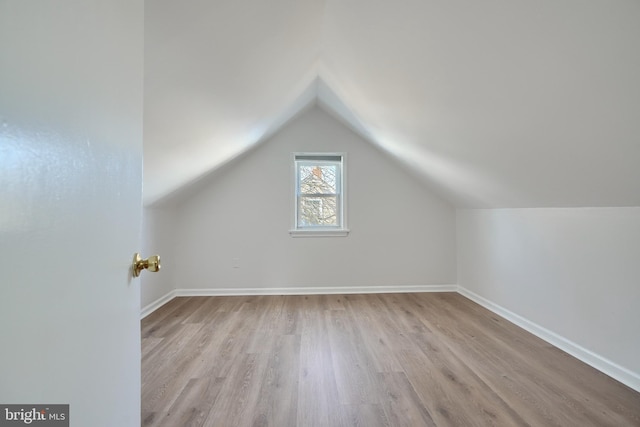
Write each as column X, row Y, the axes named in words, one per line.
column 318, row 195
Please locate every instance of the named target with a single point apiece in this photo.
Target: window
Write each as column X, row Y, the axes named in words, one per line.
column 319, row 195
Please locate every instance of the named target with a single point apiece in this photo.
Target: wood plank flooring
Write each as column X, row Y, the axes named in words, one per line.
column 432, row 359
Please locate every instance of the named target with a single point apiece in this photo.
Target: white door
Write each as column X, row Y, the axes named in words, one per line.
column 70, row 206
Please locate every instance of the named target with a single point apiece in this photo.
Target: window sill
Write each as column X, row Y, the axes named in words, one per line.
column 341, row 232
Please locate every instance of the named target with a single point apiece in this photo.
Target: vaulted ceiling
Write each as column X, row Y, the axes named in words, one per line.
column 494, row 103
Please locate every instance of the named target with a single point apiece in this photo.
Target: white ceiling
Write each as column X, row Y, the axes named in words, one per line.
column 498, row 103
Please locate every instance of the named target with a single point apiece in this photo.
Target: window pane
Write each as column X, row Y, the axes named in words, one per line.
column 317, row 211
column 318, row 179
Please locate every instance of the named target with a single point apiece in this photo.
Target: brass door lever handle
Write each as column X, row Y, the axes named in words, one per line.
column 152, row 264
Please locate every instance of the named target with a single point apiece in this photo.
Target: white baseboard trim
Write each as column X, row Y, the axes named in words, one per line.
column 150, row 308
column 620, row 373
column 317, row 290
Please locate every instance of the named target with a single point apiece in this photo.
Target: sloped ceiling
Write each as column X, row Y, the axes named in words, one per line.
column 497, row 103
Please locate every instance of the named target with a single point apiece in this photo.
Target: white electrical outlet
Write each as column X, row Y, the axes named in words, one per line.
column 235, row 262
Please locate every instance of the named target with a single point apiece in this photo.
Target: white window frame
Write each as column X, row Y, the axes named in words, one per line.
column 341, row 192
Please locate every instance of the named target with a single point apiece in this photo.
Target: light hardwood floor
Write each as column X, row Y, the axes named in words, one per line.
column 433, row 359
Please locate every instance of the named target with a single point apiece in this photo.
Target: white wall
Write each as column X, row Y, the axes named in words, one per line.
column 158, row 235
column 573, row 271
column 401, row 234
